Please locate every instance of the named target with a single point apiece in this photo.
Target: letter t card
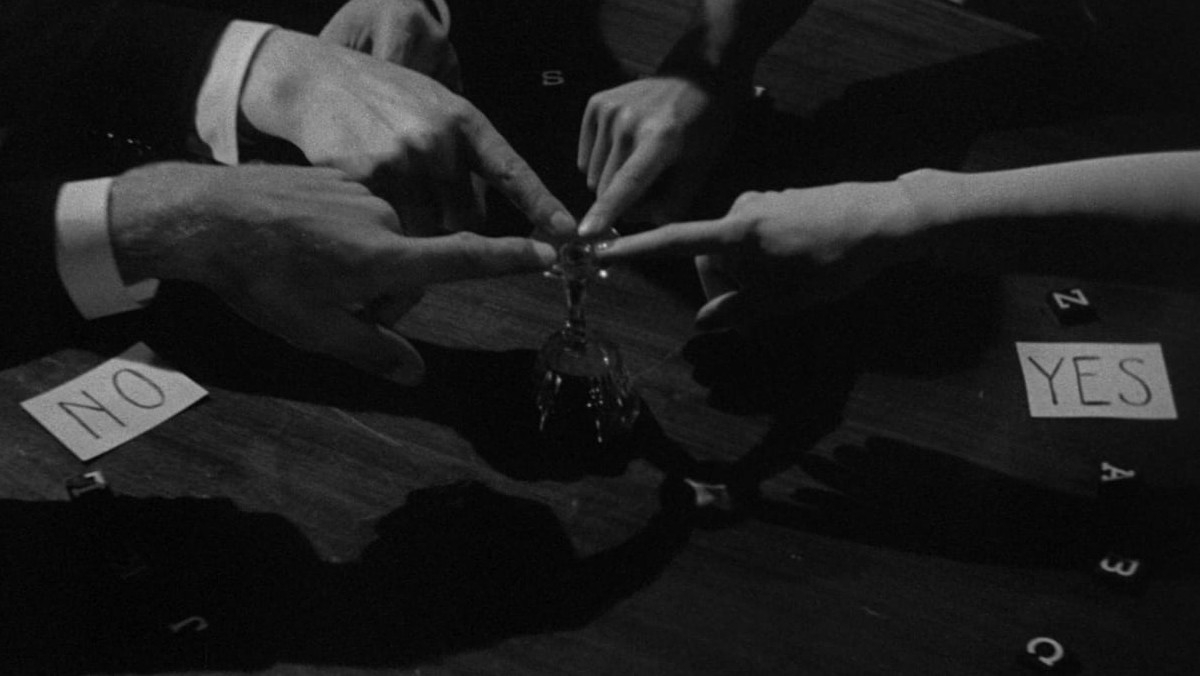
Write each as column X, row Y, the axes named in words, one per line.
column 114, row 402
column 1096, row 380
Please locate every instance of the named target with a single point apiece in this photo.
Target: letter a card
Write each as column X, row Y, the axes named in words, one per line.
column 114, row 402
column 1097, row 380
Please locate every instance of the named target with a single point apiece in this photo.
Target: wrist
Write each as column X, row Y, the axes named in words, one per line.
column 700, row 57
column 271, row 101
column 939, row 198
column 147, row 214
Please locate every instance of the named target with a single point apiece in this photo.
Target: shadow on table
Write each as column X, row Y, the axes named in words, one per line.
column 122, row 584
column 893, row 494
column 488, row 398
column 485, row 396
column 919, row 322
column 924, row 320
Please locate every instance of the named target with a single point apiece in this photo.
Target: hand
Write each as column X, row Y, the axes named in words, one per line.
column 302, row 252
column 781, row 251
column 632, row 136
column 403, row 32
column 410, row 139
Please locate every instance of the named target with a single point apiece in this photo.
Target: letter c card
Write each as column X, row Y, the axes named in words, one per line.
column 114, row 402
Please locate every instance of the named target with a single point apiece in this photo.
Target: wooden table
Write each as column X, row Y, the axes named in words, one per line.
column 896, row 509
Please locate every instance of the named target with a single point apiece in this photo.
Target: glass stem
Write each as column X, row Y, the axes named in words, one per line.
column 575, row 295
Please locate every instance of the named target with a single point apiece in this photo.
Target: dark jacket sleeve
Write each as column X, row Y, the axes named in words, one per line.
column 32, row 297
column 126, row 67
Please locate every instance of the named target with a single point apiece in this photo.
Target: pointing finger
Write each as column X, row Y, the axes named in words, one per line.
column 677, row 239
column 587, row 137
column 503, row 168
column 464, row 255
column 628, row 185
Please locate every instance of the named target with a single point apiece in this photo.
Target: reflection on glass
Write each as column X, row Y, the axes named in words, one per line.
column 585, row 402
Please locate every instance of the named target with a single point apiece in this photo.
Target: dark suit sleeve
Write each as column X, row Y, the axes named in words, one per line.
column 32, row 297
column 127, row 67
column 131, row 68
column 306, row 16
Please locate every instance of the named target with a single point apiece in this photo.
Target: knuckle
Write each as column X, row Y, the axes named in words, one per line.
column 660, row 128
column 627, row 117
column 742, row 234
column 606, row 108
column 596, row 101
column 508, row 170
column 381, row 213
column 459, row 112
column 424, row 138
column 462, row 242
column 747, row 199
column 465, row 244
column 742, row 231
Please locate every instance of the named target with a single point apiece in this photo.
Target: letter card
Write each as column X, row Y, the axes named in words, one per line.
column 114, row 402
column 1096, row 380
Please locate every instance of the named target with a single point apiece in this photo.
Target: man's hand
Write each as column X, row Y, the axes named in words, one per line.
column 777, row 252
column 665, row 127
column 305, row 253
column 410, row 139
column 403, row 32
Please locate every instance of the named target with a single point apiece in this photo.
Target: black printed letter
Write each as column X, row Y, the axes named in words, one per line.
column 116, row 381
column 96, row 406
column 1079, row 375
column 1049, row 377
column 1149, row 394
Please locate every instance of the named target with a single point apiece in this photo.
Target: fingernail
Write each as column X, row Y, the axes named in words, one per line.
column 562, row 222
column 710, row 317
column 545, row 254
column 409, row 367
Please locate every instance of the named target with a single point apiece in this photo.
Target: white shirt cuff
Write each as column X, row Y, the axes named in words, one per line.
column 84, row 254
column 217, row 104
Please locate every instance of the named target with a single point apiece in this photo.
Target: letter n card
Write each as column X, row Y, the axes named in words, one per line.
column 114, row 402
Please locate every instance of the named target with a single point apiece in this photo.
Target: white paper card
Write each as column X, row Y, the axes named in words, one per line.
column 1096, row 380
column 114, row 402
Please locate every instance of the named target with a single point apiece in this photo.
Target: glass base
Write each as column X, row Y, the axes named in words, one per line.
column 585, row 402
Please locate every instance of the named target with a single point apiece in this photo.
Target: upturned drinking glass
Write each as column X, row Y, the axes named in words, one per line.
column 585, row 401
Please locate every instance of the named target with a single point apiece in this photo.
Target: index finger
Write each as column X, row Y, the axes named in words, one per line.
column 493, row 158
column 628, row 185
column 463, row 255
column 691, row 238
